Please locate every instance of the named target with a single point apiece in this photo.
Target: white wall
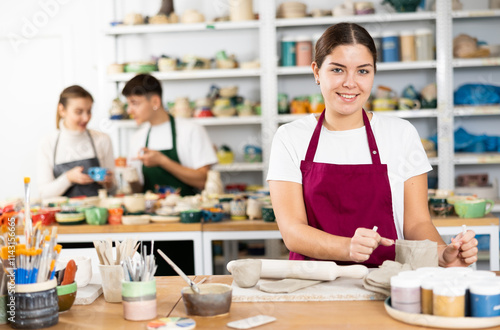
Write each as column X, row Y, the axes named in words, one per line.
column 47, row 45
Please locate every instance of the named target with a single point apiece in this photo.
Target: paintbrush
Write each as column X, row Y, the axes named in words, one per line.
column 27, row 213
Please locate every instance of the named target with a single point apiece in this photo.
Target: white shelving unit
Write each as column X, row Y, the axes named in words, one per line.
column 270, row 76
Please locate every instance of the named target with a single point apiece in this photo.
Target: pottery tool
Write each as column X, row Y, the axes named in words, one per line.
column 140, row 267
column 307, row 270
column 27, row 213
column 179, row 271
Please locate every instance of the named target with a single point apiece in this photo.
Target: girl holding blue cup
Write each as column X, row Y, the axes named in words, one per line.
column 67, row 154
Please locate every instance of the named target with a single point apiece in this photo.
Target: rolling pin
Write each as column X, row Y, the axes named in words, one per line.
column 307, row 270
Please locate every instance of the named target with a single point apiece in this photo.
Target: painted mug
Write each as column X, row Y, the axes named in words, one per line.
column 473, row 208
column 238, row 209
column 384, row 104
column 97, row 173
column 408, row 104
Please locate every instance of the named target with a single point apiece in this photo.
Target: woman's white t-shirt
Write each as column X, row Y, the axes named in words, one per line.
column 397, row 140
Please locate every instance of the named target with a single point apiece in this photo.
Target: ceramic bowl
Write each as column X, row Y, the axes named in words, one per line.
column 84, row 269
column 136, row 219
column 67, row 296
column 191, row 216
column 70, row 218
column 214, row 299
column 213, row 215
column 135, row 203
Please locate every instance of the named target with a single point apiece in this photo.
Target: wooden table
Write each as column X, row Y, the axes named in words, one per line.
column 290, row 315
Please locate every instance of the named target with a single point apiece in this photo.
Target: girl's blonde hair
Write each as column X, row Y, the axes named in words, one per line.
column 71, row 92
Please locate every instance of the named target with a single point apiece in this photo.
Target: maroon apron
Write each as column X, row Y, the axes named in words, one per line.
column 342, row 198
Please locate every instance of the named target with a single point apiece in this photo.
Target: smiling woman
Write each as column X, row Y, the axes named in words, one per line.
column 66, row 155
column 335, row 177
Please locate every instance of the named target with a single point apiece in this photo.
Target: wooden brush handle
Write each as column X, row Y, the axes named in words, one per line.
column 309, row 270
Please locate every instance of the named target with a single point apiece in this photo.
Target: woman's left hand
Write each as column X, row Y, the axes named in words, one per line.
column 462, row 251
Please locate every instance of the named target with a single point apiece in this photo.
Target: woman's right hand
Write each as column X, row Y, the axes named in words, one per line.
column 364, row 242
column 76, row 175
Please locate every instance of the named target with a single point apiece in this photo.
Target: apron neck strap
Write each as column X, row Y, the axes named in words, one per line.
column 91, row 143
column 172, row 126
column 313, row 144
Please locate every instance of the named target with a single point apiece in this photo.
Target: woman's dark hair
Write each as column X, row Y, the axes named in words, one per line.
column 71, row 92
column 142, row 85
column 343, row 34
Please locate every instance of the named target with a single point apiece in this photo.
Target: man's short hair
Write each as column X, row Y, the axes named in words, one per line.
column 142, row 85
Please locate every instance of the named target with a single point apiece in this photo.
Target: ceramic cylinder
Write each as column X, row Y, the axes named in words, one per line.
column 139, row 300
column 241, row 10
column 390, row 46
column 35, row 306
column 405, row 293
column 111, row 276
column 407, row 46
column 448, row 300
column 288, row 51
column 303, row 51
column 424, row 45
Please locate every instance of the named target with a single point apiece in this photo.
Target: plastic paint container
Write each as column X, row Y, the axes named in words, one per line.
column 457, row 271
column 288, row 51
column 405, row 293
column 390, row 46
column 448, row 300
column 430, row 271
column 427, row 286
column 303, row 51
column 485, row 299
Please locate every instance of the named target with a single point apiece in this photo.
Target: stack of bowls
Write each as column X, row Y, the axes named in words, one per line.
column 292, row 9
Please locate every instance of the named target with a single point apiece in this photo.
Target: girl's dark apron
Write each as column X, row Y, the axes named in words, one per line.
column 157, row 176
column 341, row 198
column 78, row 189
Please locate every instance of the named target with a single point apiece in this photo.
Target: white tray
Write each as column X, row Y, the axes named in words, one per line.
column 441, row 321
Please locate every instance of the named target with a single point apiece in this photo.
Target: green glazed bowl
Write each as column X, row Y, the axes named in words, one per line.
column 191, row 216
column 66, row 296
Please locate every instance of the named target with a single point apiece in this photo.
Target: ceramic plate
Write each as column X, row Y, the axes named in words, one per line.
column 441, row 321
column 165, row 218
column 136, row 219
column 70, row 218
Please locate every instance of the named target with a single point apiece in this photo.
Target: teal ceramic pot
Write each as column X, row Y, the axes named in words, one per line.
column 403, row 6
column 96, row 215
column 191, row 216
column 268, row 214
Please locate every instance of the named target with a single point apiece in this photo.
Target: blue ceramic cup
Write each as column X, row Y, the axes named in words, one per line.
column 485, row 299
column 97, row 173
